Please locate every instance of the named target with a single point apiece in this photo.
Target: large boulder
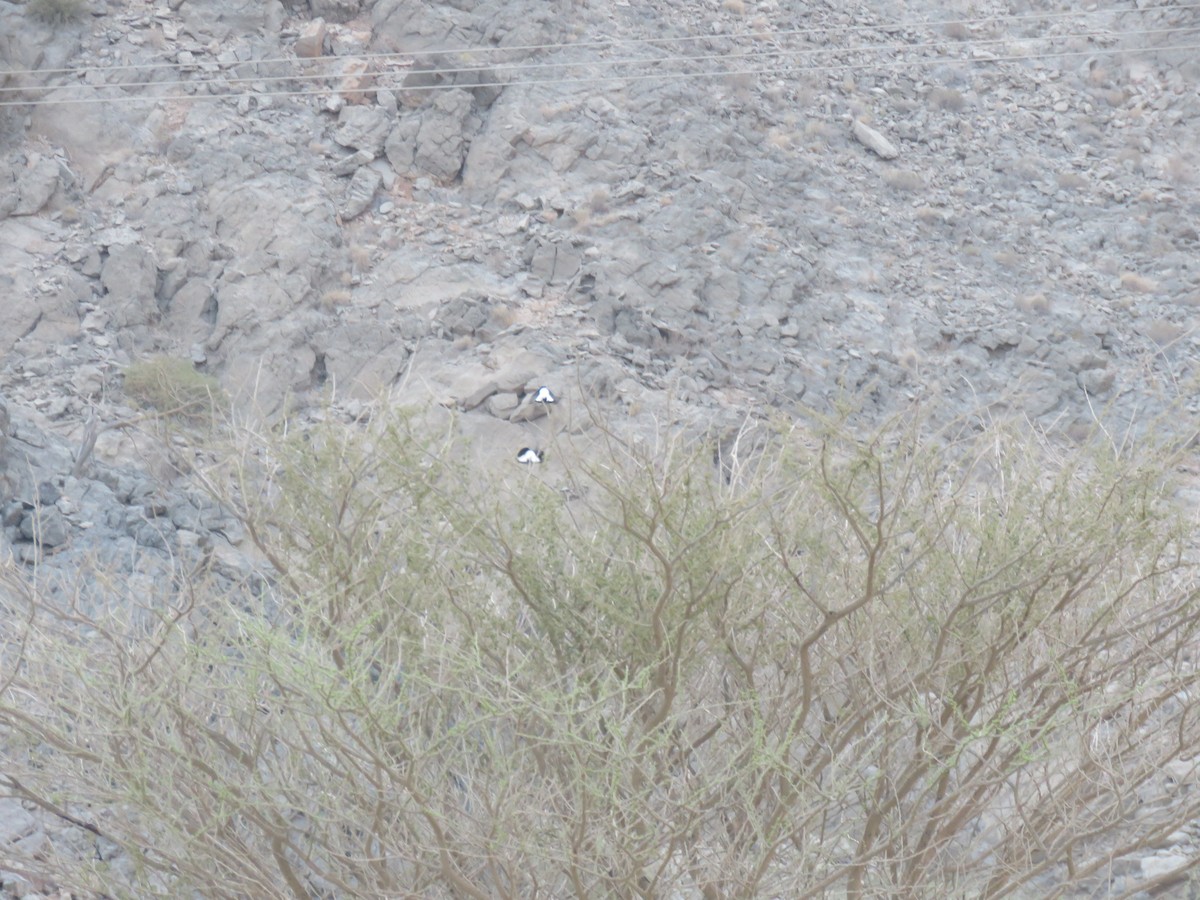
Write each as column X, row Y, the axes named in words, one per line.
column 336, row 10
column 280, row 245
column 95, row 136
column 27, row 185
column 191, row 314
column 408, row 25
column 363, row 128
column 36, row 302
column 360, row 192
column 361, row 360
column 4, row 422
column 19, row 312
column 432, row 141
column 27, row 43
column 130, row 279
column 231, row 19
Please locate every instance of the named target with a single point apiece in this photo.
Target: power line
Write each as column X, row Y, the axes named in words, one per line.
column 663, row 76
column 623, row 42
column 651, row 61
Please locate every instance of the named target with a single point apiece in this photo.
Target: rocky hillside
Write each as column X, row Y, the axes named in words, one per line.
column 695, row 213
column 760, row 207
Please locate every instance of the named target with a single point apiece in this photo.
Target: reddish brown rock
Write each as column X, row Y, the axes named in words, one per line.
column 311, row 42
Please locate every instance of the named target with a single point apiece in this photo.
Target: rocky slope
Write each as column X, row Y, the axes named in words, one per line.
column 681, row 214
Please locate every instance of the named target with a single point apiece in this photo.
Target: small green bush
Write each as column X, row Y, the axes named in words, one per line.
column 58, row 12
column 174, row 387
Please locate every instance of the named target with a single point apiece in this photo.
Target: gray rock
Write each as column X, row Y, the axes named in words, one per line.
column 48, row 493
column 721, row 292
column 1183, row 771
column 191, row 312
column 516, row 378
column 363, row 128
column 432, row 141
column 22, row 308
column 153, row 534
column 45, row 527
column 16, row 822
column 408, row 26
column 401, row 144
column 1097, row 381
column 336, row 10
column 361, row 358
column 185, row 515
column 873, row 140
column 360, row 192
column 232, row 18
column 95, row 136
column 278, row 239
column 349, row 164
column 501, row 405
column 29, row 186
column 632, row 325
column 441, row 71
column 88, row 381
column 477, row 397
column 529, row 411
column 464, row 315
column 129, row 278
column 555, row 262
column 311, row 40
column 1156, row 866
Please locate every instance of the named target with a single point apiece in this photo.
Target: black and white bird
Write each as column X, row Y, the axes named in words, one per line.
column 544, row 395
column 529, row 456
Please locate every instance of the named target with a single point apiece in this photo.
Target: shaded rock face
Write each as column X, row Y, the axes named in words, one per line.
column 28, row 44
column 231, row 18
column 5, row 481
column 29, row 185
column 19, row 315
column 363, row 128
column 129, row 280
column 335, row 10
column 360, row 192
column 361, row 360
column 433, row 140
column 280, row 237
column 40, row 298
column 44, row 528
column 93, row 135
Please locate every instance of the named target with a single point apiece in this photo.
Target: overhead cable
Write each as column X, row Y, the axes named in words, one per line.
column 498, row 70
column 627, row 42
column 778, row 71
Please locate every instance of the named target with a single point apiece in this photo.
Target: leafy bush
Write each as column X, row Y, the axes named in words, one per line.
column 58, row 12
column 884, row 667
column 174, row 388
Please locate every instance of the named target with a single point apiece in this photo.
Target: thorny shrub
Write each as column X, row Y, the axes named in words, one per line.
column 887, row 666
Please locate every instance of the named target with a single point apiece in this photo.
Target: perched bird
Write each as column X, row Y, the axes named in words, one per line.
column 529, row 456
column 544, row 395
